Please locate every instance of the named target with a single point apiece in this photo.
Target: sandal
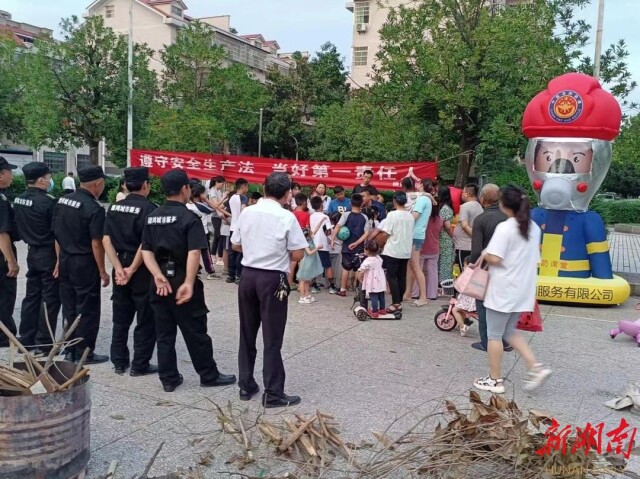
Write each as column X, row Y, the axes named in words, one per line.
column 394, row 309
column 417, row 303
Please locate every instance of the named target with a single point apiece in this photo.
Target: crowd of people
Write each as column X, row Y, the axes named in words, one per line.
column 269, row 246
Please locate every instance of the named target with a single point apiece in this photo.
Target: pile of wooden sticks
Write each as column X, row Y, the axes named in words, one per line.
column 33, row 376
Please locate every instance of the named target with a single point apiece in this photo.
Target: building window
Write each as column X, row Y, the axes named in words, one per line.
column 110, row 11
column 362, row 12
column 56, row 161
column 360, row 55
column 82, row 161
column 176, row 11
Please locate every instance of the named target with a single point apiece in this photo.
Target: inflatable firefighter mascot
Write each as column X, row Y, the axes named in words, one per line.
column 570, row 127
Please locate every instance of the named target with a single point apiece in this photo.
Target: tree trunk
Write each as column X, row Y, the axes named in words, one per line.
column 464, row 167
column 94, row 152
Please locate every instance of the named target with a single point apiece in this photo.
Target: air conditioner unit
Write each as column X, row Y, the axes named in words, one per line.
column 361, row 27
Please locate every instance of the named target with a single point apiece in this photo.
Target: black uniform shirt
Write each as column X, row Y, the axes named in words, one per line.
column 125, row 222
column 78, row 218
column 7, row 220
column 171, row 232
column 34, row 210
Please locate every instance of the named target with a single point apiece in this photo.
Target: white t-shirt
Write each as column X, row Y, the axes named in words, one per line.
column 320, row 239
column 267, row 232
column 216, row 195
column 512, row 283
column 399, row 226
column 235, row 205
column 68, row 183
column 204, row 218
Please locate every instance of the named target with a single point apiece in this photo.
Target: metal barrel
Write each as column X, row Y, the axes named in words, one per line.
column 46, row 436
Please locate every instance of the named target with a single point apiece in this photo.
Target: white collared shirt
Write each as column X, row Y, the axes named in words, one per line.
column 267, row 233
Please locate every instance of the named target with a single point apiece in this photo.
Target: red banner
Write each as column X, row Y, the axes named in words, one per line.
column 386, row 176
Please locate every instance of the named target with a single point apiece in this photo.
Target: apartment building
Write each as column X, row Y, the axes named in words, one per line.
column 157, row 22
column 70, row 158
column 368, row 18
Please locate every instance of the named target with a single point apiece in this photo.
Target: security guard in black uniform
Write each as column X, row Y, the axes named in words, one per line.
column 78, row 225
column 131, row 279
column 171, row 243
column 34, row 211
column 9, row 268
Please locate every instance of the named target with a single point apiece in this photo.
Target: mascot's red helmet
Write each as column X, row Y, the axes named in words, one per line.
column 574, row 105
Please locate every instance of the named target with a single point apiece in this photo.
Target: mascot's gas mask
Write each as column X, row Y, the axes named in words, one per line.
column 570, row 127
column 566, row 172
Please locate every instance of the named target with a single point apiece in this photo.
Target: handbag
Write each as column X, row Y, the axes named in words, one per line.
column 381, row 239
column 531, row 321
column 473, row 280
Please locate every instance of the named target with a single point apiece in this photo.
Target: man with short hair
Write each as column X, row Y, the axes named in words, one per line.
column 69, row 183
column 171, row 244
column 469, row 210
column 484, row 226
column 78, row 225
column 369, row 201
column 237, row 203
column 367, row 176
column 122, row 240
column 270, row 238
column 9, row 268
column 34, row 212
column 340, row 203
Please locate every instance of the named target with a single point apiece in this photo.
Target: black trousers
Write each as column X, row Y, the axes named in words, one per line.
column 80, row 295
column 217, row 245
column 258, row 305
column 235, row 263
column 168, row 318
column 397, row 277
column 42, row 287
column 8, row 291
column 129, row 301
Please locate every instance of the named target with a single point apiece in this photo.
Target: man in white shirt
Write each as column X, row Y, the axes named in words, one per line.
column 236, row 204
column 469, row 210
column 270, row 238
column 69, row 184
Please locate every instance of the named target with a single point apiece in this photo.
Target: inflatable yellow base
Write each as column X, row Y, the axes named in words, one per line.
column 583, row 290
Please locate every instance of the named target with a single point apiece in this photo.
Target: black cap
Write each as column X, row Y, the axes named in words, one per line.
column 174, row 180
column 90, row 173
column 136, row 174
column 5, row 165
column 34, row 170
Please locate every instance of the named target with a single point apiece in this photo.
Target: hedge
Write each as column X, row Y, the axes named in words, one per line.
column 19, row 185
column 617, row 211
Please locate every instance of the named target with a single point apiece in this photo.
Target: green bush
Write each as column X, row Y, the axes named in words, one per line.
column 19, row 185
column 515, row 176
column 617, row 211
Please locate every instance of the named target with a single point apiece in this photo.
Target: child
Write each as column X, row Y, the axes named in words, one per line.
column 372, row 278
column 320, row 226
column 359, row 227
column 335, row 251
column 464, row 305
column 310, row 267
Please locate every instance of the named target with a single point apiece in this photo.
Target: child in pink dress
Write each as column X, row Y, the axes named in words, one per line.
column 372, row 278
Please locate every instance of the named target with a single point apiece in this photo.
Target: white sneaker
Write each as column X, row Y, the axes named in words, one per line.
column 311, row 299
column 305, row 300
column 536, row 377
column 463, row 330
column 220, row 263
column 495, row 386
column 213, row 276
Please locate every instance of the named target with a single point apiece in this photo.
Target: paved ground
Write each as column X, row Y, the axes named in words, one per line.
column 625, row 255
column 366, row 374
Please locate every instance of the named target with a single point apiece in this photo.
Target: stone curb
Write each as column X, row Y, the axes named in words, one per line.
column 630, row 229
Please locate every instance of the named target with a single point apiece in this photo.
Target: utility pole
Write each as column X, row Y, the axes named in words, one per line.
column 296, row 140
column 130, row 83
column 260, row 135
column 598, row 52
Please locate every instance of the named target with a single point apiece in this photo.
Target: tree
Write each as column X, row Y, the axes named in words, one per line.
column 10, row 89
column 76, row 91
column 469, row 70
column 296, row 99
column 203, row 102
column 624, row 173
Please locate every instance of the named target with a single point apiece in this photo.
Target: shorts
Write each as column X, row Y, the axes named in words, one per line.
column 417, row 244
column 347, row 261
column 501, row 325
column 325, row 259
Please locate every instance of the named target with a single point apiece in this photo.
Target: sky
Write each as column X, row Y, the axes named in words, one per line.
column 306, row 24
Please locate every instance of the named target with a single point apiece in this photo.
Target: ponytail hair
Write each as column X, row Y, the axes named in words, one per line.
column 515, row 199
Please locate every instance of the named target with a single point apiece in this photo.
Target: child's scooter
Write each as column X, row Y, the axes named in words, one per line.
column 444, row 319
column 361, row 303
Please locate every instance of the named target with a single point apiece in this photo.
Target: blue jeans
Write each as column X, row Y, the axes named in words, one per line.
column 377, row 301
column 482, row 324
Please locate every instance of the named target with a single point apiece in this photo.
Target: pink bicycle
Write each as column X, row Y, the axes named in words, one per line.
column 444, row 319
